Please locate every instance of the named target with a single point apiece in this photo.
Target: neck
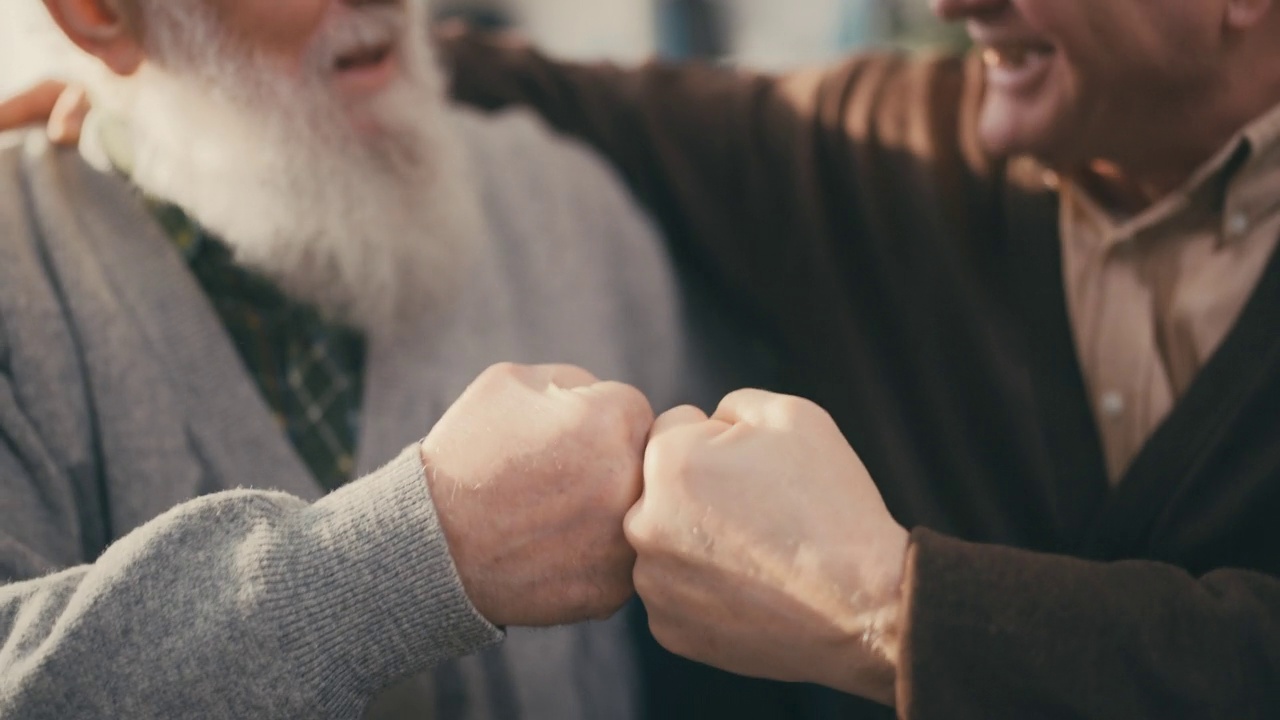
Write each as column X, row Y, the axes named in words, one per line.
column 1124, row 190
column 1139, row 172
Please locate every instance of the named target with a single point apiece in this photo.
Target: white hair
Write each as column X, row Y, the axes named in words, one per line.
column 374, row 228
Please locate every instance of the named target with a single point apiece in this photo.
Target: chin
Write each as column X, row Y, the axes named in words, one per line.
column 1009, row 128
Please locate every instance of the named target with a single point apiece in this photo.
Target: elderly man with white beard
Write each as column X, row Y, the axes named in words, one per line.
column 279, row 257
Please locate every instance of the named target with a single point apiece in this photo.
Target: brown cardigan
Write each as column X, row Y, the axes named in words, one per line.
column 914, row 289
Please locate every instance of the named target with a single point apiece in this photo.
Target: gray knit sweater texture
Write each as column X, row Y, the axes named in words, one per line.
column 166, row 554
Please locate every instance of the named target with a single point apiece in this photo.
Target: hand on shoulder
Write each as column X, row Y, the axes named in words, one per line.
column 59, row 106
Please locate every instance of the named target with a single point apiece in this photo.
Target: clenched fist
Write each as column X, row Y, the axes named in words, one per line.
column 765, row 549
column 532, row 471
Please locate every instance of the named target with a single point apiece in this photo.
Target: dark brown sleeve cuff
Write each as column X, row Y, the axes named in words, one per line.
column 996, row 632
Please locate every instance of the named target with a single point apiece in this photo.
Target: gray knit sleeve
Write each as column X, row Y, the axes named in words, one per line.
column 236, row 605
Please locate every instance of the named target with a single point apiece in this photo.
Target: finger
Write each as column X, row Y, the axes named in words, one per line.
column 565, row 377
column 662, row 441
column 630, row 404
column 30, row 107
column 745, row 406
column 539, row 377
column 675, row 418
column 631, row 527
column 67, row 119
column 764, row 409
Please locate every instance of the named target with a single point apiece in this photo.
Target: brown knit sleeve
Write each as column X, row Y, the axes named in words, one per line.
column 752, row 174
column 994, row 632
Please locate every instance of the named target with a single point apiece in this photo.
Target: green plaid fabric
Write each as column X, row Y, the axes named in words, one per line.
column 309, row 369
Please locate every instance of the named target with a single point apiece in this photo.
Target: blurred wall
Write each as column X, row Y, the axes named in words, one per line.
column 770, row 34
column 621, row 30
column 31, row 47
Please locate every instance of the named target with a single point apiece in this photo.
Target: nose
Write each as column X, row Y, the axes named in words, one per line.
column 967, row 9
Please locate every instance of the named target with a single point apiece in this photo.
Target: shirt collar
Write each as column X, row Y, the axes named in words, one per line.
column 1237, row 188
column 1253, row 190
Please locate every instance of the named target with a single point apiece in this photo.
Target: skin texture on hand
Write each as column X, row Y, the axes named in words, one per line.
column 765, row 548
column 61, row 108
column 532, row 471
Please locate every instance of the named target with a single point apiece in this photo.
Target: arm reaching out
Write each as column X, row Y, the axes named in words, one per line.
column 765, row 549
column 256, row 604
column 760, row 179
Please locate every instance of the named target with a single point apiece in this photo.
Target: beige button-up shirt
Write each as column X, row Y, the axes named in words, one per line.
column 1152, row 296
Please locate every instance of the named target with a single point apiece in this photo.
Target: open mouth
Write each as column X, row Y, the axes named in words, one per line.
column 1013, row 56
column 363, row 58
column 1017, row 66
column 366, row 70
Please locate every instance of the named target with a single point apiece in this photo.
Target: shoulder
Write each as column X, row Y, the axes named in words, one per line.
column 517, row 156
column 13, row 146
column 554, row 196
column 34, row 193
column 17, row 220
column 575, row 249
column 925, row 105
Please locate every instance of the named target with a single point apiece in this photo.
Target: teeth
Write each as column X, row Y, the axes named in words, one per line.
column 362, row 34
column 1011, row 56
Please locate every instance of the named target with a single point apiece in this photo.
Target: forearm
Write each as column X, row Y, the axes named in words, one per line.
column 998, row 632
column 244, row 604
column 720, row 158
column 644, row 119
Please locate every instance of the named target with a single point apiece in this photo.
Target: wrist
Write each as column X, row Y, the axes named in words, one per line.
column 874, row 621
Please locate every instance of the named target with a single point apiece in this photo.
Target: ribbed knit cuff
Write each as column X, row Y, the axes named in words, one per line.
column 370, row 593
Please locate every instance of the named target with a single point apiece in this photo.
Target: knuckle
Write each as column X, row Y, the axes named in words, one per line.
column 645, row 582
column 498, row 376
column 741, row 395
column 628, row 410
column 793, row 411
column 667, row 459
column 639, row 413
column 611, row 420
column 623, row 490
column 503, row 369
column 639, row 531
column 581, row 418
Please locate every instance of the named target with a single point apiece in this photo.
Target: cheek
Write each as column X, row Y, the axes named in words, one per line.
column 279, row 28
column 1114, row 44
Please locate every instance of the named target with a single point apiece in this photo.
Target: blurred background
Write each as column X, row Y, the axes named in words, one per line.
column 762, row 33
column 768, row 34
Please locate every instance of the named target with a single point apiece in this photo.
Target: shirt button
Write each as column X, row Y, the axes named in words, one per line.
column 1237, row 224
column 1112, row 405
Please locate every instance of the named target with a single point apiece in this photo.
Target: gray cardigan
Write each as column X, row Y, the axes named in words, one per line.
column 166, row 553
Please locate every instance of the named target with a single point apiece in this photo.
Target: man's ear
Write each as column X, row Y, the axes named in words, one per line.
column 101, row 28
column 1244, row 14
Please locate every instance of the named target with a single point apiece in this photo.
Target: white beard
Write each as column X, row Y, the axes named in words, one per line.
column 376, row 229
